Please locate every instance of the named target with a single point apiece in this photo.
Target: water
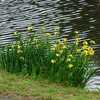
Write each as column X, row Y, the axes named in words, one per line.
column 81, row 15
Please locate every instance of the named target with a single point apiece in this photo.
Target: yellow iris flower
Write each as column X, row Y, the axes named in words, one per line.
column 71, row 56
column 30, row 28
column 53, row 61
column 15, row 33
column 68, row 60
column 78, row 50
column 70, row 65
column 18, row 46
column 92, row 42
column 85, row 42
column 57, row 54
column 88, row 52
column 19, row 51
column 65, row 40
column 48, row 34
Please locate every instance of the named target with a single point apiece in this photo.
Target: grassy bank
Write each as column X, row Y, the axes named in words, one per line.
column 25, row 88
column 50, row 56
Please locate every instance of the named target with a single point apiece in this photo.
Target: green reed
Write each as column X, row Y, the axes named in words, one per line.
column 48, row 56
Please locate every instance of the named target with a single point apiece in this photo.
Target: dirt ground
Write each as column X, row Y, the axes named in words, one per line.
column 17, row 97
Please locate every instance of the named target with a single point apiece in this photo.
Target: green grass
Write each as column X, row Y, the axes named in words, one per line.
column 26, row 87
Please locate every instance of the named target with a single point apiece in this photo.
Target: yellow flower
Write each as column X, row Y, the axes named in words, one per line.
column 19, row 51
column 76, row 32
column 53, row 61
column 68, row 60
column 92, row 42
column 78, row 50
column 64, row 47
column 10, row 49
column 18, row 46
column 77, row 40
column 65, row 40
column 57, row 54
column 84, row 47
column 15, row 33
column 85, row 52
column 12, row 46
column 56, row 33
column 53, row 49
column 71, row 56
column 55, row 45
column 30, row 28
column 90, row 51
column 48, row 34
column 61, row 51
column 85, row 42
column 61, row 46
column 70, row 65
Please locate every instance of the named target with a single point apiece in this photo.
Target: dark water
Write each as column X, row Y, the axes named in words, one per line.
column 84, row 17
column 80, row 15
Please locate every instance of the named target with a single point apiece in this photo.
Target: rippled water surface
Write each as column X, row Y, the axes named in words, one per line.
column 81, row 15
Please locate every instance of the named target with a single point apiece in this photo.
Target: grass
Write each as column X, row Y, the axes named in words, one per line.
column 29, row 89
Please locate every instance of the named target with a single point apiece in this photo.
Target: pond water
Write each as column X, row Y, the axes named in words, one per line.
column 84, row 17
column 80, row 15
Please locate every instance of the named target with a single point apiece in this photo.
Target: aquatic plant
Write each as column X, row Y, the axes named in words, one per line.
column 48, row 56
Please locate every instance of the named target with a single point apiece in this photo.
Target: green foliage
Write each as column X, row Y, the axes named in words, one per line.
column 47, row 56
column 15, row 86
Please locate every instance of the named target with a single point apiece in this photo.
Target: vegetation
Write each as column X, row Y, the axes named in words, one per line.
column 25, row 88
column 50, row 57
